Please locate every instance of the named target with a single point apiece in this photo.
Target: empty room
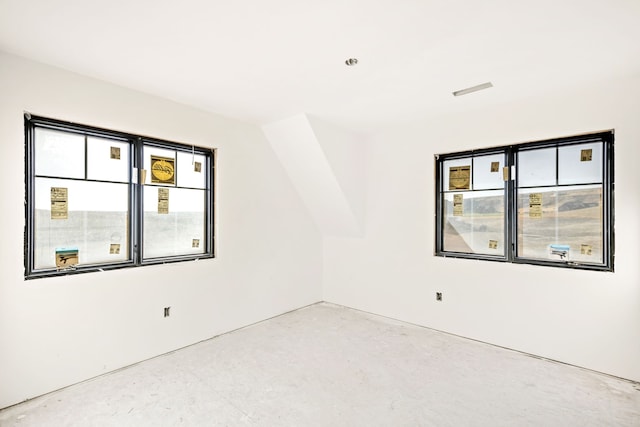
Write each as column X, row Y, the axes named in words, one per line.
column 337, row 213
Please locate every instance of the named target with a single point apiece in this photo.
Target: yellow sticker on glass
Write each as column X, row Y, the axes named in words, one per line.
column 458, row 206
column 66, row 257
column 59, row 203
column 535, row 205
column 459, row 177
column 163, row 200
column 163, row 170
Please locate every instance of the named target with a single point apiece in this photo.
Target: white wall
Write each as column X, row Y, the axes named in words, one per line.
column 297, row 147
column 590, row 319
column 58, row 331
column 346, row 153
column 326, row 165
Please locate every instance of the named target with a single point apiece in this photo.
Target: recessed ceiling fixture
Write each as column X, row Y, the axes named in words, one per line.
column 460, row 92
column 351, row 62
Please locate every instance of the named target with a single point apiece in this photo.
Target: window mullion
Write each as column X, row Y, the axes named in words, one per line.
column 137, row 201
column 511, row 211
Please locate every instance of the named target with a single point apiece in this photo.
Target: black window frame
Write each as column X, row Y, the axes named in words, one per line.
column 511, row 187
column 135, row 197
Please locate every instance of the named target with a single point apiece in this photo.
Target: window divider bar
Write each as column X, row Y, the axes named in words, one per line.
column 137, row 202
column 511, row 207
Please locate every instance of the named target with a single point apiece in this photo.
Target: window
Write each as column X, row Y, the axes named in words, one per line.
column 100, row 199
column 546, row 203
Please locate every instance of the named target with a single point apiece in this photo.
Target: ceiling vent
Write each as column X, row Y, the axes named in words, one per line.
column 471, row 89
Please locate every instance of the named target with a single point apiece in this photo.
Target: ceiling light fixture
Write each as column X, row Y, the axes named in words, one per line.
column 351, row 62
column 461, row 92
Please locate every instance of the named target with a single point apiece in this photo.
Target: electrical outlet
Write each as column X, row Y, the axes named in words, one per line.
column 438, row 296
column 167, row 311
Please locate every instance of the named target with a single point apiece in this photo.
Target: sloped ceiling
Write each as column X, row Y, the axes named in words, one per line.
column 262, row 61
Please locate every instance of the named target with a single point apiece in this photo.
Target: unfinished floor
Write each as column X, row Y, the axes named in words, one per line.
column 326, row 365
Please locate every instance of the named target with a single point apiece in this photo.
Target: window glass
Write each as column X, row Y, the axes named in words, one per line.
column 561, row 223
column 580, row 222
column 487, row 172
column 107, row 160
column 537, row 167
column 192, row 170
column 174, row 221
column 59, row 154
column 91, row 224
column 580, row 164
column 474, row 222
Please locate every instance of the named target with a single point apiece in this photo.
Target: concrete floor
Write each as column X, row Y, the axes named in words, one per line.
column 326, row 365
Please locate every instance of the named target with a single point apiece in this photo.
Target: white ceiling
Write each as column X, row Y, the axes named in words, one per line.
column 263, row 60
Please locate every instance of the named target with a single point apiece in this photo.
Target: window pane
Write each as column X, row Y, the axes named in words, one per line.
column 580, row 220
column 96, row 222
column 59, row 154
column 107, row 160
column 561, row 224
column 174, row 222
column 580, row 164
column 191, row 170
column 537, row 167
column 487, row 172
column 474, row 222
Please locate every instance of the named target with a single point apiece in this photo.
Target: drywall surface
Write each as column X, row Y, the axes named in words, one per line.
column 57, row 331
column 300, row 153
column 590, row 319
column 326, row 165
column 346, row 153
